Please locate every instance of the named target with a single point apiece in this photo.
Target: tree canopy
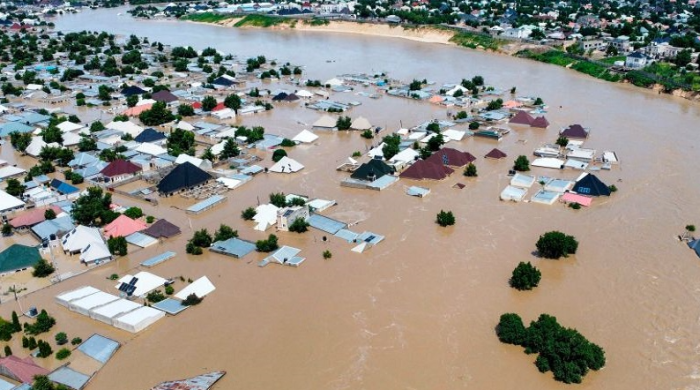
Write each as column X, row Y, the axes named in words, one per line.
column 525, row 277
column 92, row 209
column 555, row 244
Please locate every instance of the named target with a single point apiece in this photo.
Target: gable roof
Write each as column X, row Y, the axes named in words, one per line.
column 150, row 135
column 372, row 170
column 695, row 245
column 451, row 157
column 495, row 154
column 425, row 170
column 120, row 167
column 132, row 90
column 591, row 185
column 164, row 96
column 80, row 237
column 540, row 122
column 21, row 370
column 162, row 229
column 123, row 226
column 286, row 165
column 521, row 118
column 32, row 217
column 185, row 175
column 18, row 256
column 575, row 131
column 279, row 97
column 63, row 187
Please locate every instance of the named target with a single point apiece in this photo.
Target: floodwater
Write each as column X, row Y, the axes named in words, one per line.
column 418, row 311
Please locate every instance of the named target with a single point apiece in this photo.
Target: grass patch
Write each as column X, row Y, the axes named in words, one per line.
column 316, row 22
column 560, row 58
column 473, row 41
column 612, row 60
column 263, row 21
column 207, row 17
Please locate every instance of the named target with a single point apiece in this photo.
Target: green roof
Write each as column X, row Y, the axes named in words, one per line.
column 18, row 256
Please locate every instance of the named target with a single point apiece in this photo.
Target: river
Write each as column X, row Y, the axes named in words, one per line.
column 418, row 311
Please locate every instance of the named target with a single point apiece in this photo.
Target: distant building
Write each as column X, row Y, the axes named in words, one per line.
column 621, row 43
column 595, row 44
column 636, row 60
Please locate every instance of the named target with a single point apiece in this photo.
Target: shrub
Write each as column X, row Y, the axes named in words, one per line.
column 287, row 143
column 510, row 329
column 192, row 300
column 63, row 353
column 155, row 296
column 562, row 141
column 113, row 277
column 356, row 153
column 522, row 164
column 76, row 341
column 369, row 134
column 49, row 214
column 44, row 349
column 690, row 228
column 575, row 205
column 525, row 277
column 8, row 350
column 470, row 170
column 278, row 154
column 278, row 199
column 169, row 290
column 327, row 254
column 474, row 126
column 150, row 219
column 554, row 244
column 268, row 245
column 61, row 338
column 299, row 226
column 133, row 212
column 224, row 233
column 612, row 188
column 445, row 218
column 248, row 214
column 44, row 323
column 43, row 269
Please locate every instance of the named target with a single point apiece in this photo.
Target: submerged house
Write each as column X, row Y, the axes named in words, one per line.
column 18, row 257
column 183, row 177
column 592, row 186
column 575, row 131
column 119, row 170
column 451, row 157
column 521, row 118
column 425, row 170
column 288, row 215
column 495, row 154
column 372, row 170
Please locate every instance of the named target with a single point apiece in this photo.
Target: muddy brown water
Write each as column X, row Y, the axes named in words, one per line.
column 418, row 311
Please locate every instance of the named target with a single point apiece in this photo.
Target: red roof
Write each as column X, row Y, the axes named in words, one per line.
column 197, row 105
column 575, row 131
column 120, row 167
column 32, row 217
column 495, row 153
column 424, row 170
column 451, row 157
column 124, row 226
column 22, row 370
column 218, row 107
column 522, row 118
column 540, row 122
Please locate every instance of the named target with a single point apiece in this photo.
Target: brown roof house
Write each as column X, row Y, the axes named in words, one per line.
column 451, row 157
column 575, row 131
column 495, row 154
column 521, row 118
column 425, row 170
column 162, row 229
column 540, row 122
column 119, row 170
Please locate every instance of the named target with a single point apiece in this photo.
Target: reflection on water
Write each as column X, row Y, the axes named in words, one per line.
column 418, row 311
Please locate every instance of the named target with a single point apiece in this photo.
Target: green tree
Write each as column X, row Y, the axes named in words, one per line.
column 522, row 164
column 208, row 155
column 230, row 149
column 470, row 170
column 474, row 125
column 61, row 338
column 343, row 123
column 63, row 353
column 391, row 146
column 192, row 300
column 435, row 142
column 93, row 208
column 117, row 246
column 52, row 134
column 155, row 296
column 44, row 322
column 157, row 115
column 327, row 254
column 14, row 187
column 445, row 218
column 562, row 141
column 525, row 277
column 268, row 245
column 278, row 154
column 224, row 233
column 555, row 244
column 96, row 126
column 6, row 229
column 179, row 142
column 87, row 144
column 133, row 212
column 43, row 269
column 278, row 199
column 248, row 214
column 233, row 102
column 132, row 100
column 8, row 350
column 299, row 226
column 208, row 103
column 16, row 326
column 20, row 141
column 510, row 329
column 496, row 104
column 76, row 341
column 185, row 110
column 49, row 214
column 202, row 238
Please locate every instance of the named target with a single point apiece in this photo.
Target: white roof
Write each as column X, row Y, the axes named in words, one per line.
column 144, row 102
column 513, row 193
column 333, row 82
column 455, row 89
column 305, row 136
column 113, row 309
column 231, row 132
column 404, row 156
column 10, row 171
column 523, row 181
column 229, row 183
column 226, row 113
column 402, row 131
column 200, row 287
column 92, row 301
column 360, row 123
column 70, row 139
column 80, row 237
column 138, row 319
column 146, row 282
column 304, row 93
column 127, row 127
column 72, row 295
column 218, row 148
column 325, row 121
column 286, row 165
column 183, row 125
column 95, row 251
column 183, row 158
column 377, row 151
column 548, row 162
column 9, row 202
column 265, row 216
column 35, row 146
column 67, row 126
column 453, row 134
column 152, row 149
column 416, row 135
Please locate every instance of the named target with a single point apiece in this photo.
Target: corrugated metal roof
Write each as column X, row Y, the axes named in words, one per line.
column 99, row 348
column 326, row 224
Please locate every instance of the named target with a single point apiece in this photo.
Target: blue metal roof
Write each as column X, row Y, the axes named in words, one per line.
column 326, row 224
column 140, row 240
column 11, row 127
column 233, row 247
column 158, row 259
column 5, row 385
column 69, row 377
column 99, row 348
column 170, row 306
column 63, row 187
column 57, row 226
column 207, row 203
